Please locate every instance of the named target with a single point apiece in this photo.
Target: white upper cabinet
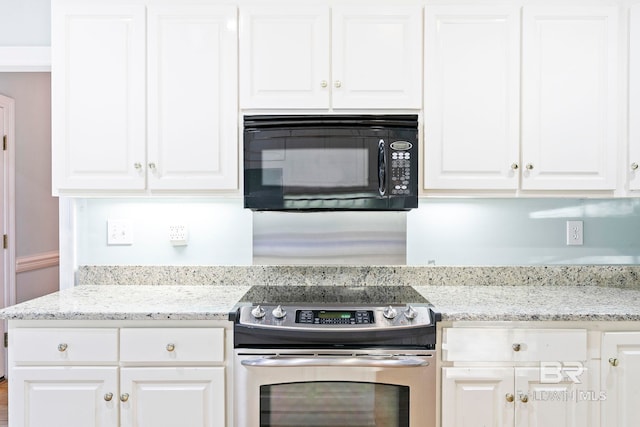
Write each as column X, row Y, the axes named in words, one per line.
column 472, row 86
column 284, row 57
column 98, row 96
column 343, row 57
column 144, row 97
column 192, row 97
column 569, row 97
column 634, row 98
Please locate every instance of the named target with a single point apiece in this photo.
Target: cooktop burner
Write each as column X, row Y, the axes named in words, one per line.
column 334, row 295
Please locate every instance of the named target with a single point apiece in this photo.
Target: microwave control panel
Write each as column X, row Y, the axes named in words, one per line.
column 400, row 168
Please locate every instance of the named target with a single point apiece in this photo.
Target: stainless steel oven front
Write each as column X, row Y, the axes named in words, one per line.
column 323, row 388
column 335, row 366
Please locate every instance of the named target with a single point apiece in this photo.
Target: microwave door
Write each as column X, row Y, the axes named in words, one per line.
column 325, row 169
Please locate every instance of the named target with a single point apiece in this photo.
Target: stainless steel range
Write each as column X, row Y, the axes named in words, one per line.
column 334, row 356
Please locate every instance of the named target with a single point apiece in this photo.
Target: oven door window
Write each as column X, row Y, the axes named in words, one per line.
column 334, row 404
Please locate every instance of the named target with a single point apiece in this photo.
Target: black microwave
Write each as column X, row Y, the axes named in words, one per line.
column 330, row 162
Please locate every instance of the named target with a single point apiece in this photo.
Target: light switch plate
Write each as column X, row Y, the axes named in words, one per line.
column 119, row 232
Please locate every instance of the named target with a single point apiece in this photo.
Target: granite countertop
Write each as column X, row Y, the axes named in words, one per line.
column 170, row 302
column 455, row 303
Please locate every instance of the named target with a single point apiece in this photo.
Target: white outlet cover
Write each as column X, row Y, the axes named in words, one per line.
column 178, row 234
column 119, row 232
column 575, row 233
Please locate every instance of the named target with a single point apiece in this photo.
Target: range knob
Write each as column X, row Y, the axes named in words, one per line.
column 390, row 312
column 410, row 313
column 279, row 312
column 258, row 312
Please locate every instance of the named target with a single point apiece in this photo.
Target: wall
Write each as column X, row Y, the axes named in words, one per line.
column 25, row 22
column 36, row 211
column 441, row 232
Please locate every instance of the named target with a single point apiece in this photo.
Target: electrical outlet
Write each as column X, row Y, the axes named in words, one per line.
column 575, row 233
column 119, row 232
column 178, row 234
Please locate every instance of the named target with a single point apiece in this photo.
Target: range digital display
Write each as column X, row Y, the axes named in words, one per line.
column 335, row 315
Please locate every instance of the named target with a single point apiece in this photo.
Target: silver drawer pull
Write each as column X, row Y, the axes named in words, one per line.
column 171, row 347
column 124, row 397
column 108, row 397
column 516, row 347
column 62, row 347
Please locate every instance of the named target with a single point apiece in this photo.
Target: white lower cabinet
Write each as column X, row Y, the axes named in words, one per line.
column 517, row 377
column 158, row 397
column 620, row 370
column 109, row 377
column 63, row 396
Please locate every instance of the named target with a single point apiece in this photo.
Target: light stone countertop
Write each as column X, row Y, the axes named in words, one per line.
column 171, row 302
column 533, row 303
column 455, row 303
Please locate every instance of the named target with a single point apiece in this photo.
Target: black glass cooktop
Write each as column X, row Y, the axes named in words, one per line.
column 354, row 295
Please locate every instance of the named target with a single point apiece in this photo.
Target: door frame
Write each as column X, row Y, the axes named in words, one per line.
column 8, row 216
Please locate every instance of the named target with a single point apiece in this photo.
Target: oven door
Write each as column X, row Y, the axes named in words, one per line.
column 319, row 389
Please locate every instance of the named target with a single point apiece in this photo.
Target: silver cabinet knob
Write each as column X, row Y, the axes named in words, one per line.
column 258, row 312
column 614, row 362
column 171, row 347
column 279, row 312
column 137, row 165
column 108, row 397
column 124, row 397
column 524, row 398
column 514, row 166
column 337, row 83
column 516, row 347
column 529, row 166
column 152, row 166
column 390, row 312
column 634, row 166
column 324, row 83
column 62, row 347
column 509, row 397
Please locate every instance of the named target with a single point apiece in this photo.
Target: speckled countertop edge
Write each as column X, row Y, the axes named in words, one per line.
column 565, row 293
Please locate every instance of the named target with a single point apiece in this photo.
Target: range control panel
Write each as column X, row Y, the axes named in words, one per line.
column 335, row 317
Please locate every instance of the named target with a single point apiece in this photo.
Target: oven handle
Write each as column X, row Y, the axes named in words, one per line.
column 363, row 362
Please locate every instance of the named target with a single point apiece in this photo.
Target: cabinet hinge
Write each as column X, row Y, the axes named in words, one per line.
column 6, row 339
column 5, row 241
column 4, row 143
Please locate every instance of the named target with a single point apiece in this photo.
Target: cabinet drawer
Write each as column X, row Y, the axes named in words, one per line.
column 513, row 345
column 204, row 345
column 44, row 345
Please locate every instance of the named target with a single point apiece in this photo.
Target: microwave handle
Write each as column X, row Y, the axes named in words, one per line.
column 382, row 168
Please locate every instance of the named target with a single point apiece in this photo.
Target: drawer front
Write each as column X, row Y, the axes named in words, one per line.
column 53, row 345
column 514, row 345
column 201, row 345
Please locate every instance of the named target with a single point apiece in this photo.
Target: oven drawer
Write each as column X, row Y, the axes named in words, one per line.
column 183, row 345
column 64, row 345
column 513, row 345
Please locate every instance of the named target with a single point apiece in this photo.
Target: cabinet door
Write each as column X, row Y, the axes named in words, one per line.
column 569, row 105
column 472, row 87
column 634, row 98
column 554, row 400
column 192, row 98
column 169, row 397
column 57, row 396
column 620, row 370
column 474, row 397
column 376, row 56
column 98, row 96
column 284, row 57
